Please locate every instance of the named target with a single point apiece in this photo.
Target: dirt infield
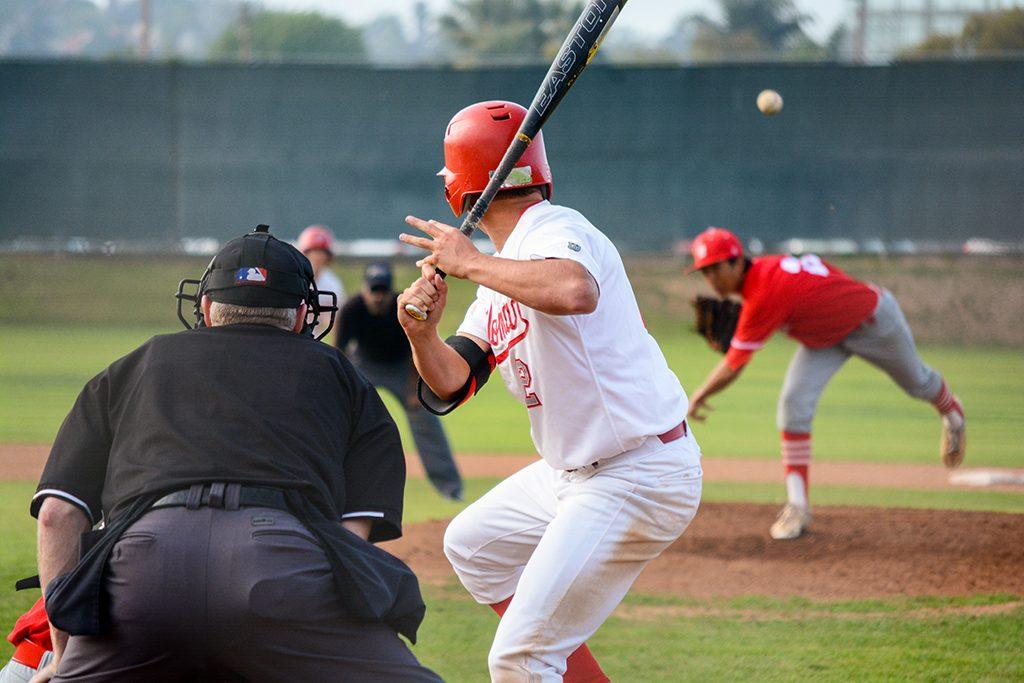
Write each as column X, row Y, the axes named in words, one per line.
column 881, row 475
column 850, row 553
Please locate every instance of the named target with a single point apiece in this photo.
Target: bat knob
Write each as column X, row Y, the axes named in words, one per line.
column 415, row 312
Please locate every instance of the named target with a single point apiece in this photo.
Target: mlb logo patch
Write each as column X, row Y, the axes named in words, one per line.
column 251, row 276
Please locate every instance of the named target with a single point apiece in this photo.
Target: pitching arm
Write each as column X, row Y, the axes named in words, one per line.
column 721, row 377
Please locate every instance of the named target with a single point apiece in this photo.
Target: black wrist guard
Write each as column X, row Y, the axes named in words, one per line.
column 481, row 364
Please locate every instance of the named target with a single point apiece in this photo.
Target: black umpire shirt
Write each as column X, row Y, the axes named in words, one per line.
column 380, row 337
column 243, row 403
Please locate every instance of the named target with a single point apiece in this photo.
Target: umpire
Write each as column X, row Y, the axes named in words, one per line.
column 382, row 354
column 242, row 472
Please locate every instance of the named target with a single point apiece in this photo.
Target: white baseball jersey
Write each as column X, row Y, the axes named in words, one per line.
column 595, row 385
column 327, row 281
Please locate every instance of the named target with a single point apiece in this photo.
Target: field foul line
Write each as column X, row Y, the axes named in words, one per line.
column 661, row 612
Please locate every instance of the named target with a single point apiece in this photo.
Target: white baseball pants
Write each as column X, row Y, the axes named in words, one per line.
column 569, row 545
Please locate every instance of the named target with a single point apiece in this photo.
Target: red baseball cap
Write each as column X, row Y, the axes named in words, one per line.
column 316, row 237
column 713, row 246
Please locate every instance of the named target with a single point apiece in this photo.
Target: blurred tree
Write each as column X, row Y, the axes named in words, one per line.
column 984, row 32
column 753, row 29
column 514, row 30
column 52, row 27
column 775, row 23
column 935, row 45
column 386, row 42
column 290, row 35
column 711, row 44
column 84, row 27
column 995, row 31
column 836, row 45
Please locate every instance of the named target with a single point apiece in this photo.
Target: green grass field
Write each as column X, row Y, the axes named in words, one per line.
column 784, row 641
column 863, row 416
column 98, row 309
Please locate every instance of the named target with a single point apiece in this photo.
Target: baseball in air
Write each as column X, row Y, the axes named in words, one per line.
column 769, row 102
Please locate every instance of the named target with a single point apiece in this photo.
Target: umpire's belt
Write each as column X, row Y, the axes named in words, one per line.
column 225, row 496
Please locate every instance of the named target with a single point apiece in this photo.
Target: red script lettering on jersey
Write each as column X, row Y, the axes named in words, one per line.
column 506, row 328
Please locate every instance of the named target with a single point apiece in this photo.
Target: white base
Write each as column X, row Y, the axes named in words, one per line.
column 986, row 477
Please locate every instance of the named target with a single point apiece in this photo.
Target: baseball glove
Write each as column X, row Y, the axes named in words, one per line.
column 716, row 320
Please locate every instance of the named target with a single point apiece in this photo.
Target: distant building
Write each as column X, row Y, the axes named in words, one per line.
column 881, row 29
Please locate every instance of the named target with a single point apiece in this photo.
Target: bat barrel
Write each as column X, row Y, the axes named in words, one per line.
column 579, row 48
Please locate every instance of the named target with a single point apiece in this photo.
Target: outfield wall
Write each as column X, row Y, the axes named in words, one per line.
column 115, row 150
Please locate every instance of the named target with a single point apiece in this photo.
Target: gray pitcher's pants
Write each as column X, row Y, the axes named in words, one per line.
column 226, row 595
column 16, row 672
column 427, row 432
column 884, row 340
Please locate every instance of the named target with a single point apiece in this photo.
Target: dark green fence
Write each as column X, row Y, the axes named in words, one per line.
column 930, row 151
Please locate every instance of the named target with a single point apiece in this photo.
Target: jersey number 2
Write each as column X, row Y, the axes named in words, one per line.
column 526, row 379
column 808, row 263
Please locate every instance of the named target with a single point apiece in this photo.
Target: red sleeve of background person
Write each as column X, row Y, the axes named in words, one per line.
column 33, row 626
column 810, row 300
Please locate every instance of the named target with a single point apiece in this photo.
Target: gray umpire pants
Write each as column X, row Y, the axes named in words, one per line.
column 427, row 432
column 884, row 340
column 229, row 595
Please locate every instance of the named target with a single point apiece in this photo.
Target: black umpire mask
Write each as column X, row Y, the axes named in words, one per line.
column 260, row 271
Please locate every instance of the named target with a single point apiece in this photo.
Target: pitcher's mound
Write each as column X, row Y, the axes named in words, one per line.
column 849, row 552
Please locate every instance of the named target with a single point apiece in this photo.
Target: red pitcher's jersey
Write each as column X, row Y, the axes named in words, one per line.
column 809, row 299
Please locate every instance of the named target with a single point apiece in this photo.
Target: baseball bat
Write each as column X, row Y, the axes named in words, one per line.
column 579, row 48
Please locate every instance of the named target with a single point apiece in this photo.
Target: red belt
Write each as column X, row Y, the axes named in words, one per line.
column 677, row 432
column 29, row 654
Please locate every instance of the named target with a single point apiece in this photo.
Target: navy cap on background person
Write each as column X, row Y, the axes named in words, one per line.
column 378, row 277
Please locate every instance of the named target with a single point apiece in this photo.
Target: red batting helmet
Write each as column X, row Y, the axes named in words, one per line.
column 475, row 142
column 316, row 237
column 714, row 245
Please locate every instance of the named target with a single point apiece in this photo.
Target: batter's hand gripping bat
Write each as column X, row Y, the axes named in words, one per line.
column 579, row 48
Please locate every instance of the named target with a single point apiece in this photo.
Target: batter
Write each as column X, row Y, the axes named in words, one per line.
column 833, row 316
column 556, row 546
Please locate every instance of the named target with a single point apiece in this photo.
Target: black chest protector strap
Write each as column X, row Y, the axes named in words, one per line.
column 481, row 364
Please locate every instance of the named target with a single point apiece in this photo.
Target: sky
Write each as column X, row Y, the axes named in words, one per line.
column 644, row 17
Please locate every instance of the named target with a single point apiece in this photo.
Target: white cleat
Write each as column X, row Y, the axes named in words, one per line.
column 954, row 438
column 791, row 522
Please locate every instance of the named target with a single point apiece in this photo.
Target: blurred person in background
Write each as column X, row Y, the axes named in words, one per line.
column 833, row 317
column 317, row 243
column 369, row 322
